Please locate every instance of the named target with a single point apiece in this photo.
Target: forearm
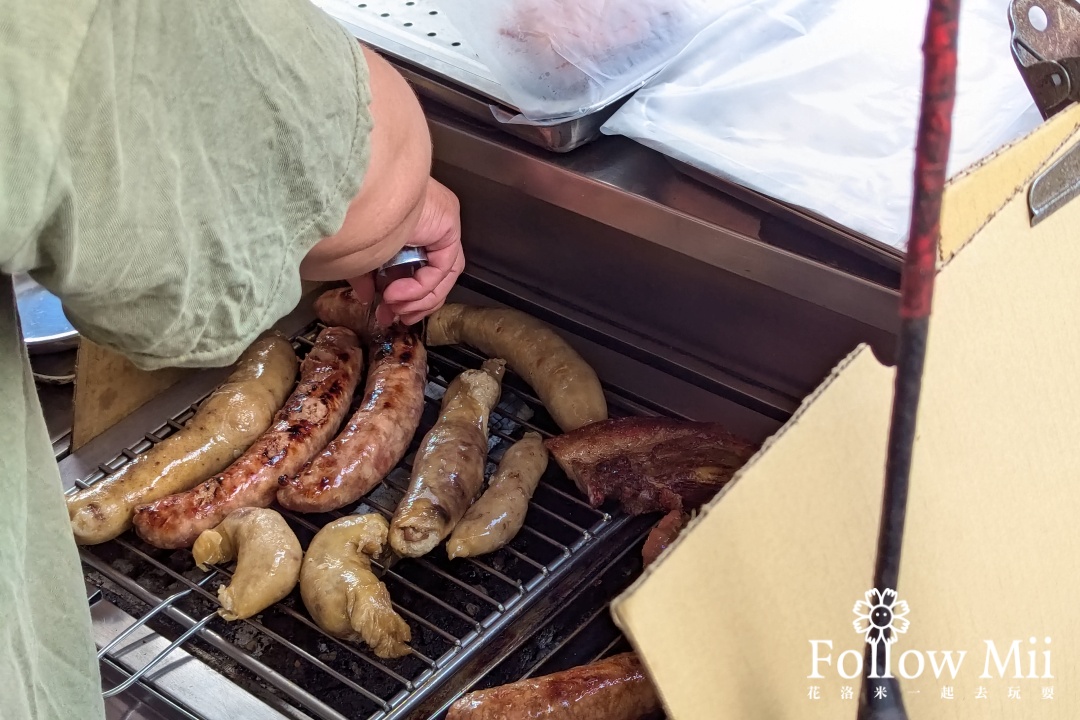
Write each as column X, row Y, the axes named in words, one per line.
column 384, row 214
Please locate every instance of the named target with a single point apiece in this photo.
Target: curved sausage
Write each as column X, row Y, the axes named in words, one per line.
column 376, row 437
column 663, row 534
column 563, row 381
column 498, row 515
column 341, row 308
column 448, row 472
column 267, row 556
column 342, row 594
column 226, row 423
column 612, row 689
column 309, row 418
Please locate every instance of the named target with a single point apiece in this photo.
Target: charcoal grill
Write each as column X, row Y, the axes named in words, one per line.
column 685, row 307
column 455, row 608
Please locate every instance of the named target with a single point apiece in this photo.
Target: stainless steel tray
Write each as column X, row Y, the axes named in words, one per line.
column 422, row 43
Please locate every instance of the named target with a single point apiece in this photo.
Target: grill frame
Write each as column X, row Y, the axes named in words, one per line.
column 503, row 628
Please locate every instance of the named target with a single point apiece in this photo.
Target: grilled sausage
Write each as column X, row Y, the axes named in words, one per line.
column 342, row 594
column 267, row 556
column 612, row 689
column 498, row 515
column 448, row 472
column 309, row 418
column 226, row 423
column 376, row 437
column 663, row 534
column 563, row 381
column 341, row 308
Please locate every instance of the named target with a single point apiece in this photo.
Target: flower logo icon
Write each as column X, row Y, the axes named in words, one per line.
column 880, row 617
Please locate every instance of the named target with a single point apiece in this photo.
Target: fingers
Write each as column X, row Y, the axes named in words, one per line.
column 441, row 265
column 363, row 287
column 438, row 231
column 413, row 311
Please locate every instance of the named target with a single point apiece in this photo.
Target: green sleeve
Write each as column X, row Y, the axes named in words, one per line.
column 202, row 149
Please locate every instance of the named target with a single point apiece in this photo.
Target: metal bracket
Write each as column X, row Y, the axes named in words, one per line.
column 1055, row 186
column 1046, row 48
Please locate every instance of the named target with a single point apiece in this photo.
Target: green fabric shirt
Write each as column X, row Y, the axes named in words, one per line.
column 164, row 166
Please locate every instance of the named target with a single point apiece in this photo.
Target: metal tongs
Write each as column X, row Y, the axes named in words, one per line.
column 404, row 264
column 1046, row 47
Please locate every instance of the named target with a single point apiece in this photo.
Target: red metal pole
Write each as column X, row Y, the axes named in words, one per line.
column 881, row 698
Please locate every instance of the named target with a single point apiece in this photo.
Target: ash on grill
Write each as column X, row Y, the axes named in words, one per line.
column 452, row 607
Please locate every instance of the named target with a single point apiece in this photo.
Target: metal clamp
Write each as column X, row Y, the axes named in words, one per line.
column 1056, row 186
column 1046, row 48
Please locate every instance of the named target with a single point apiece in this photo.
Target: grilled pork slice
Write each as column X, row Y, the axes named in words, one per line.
column 650, row 464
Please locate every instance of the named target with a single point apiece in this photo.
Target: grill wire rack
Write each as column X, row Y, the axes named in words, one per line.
column 453, row 607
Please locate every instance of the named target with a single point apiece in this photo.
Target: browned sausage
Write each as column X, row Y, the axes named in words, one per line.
column 612, row 689
column 665, row 533
column 225, row 425
column 448, row 472
column 341, row 308
column 303, row 426
column 376, row 437
column 564, row 382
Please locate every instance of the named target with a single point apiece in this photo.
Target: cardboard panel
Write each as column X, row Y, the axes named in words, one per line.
column 725, row 621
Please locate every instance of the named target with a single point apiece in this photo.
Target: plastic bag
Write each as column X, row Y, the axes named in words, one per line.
column 561, row 59
column 815, row 103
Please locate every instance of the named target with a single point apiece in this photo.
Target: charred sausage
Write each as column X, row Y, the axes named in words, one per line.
column 376, row 437
column 448, row 472
column 223, row 427
column 498, row 515
column 341, row 308
column 309, row 418
column 612, row 689
column 342, row 594
column 267, row 556
column 563, row 381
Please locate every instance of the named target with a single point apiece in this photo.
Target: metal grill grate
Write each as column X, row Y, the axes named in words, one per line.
column 452, row 606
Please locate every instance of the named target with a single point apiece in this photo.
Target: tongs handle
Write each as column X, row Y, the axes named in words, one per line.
column 402, row 265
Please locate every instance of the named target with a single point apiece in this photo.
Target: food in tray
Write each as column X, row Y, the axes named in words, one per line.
column 564, row 382
column 498, row 515
column 650, row 464
column 342, row 594
column 615, row 688
column 340, row 307
column 312, row 414
column 448, row 472
column 224, row 426
column 663, row 535
column 267, row 556
column 375, row 438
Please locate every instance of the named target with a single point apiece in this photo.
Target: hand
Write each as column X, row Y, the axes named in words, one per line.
column 439, row 232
